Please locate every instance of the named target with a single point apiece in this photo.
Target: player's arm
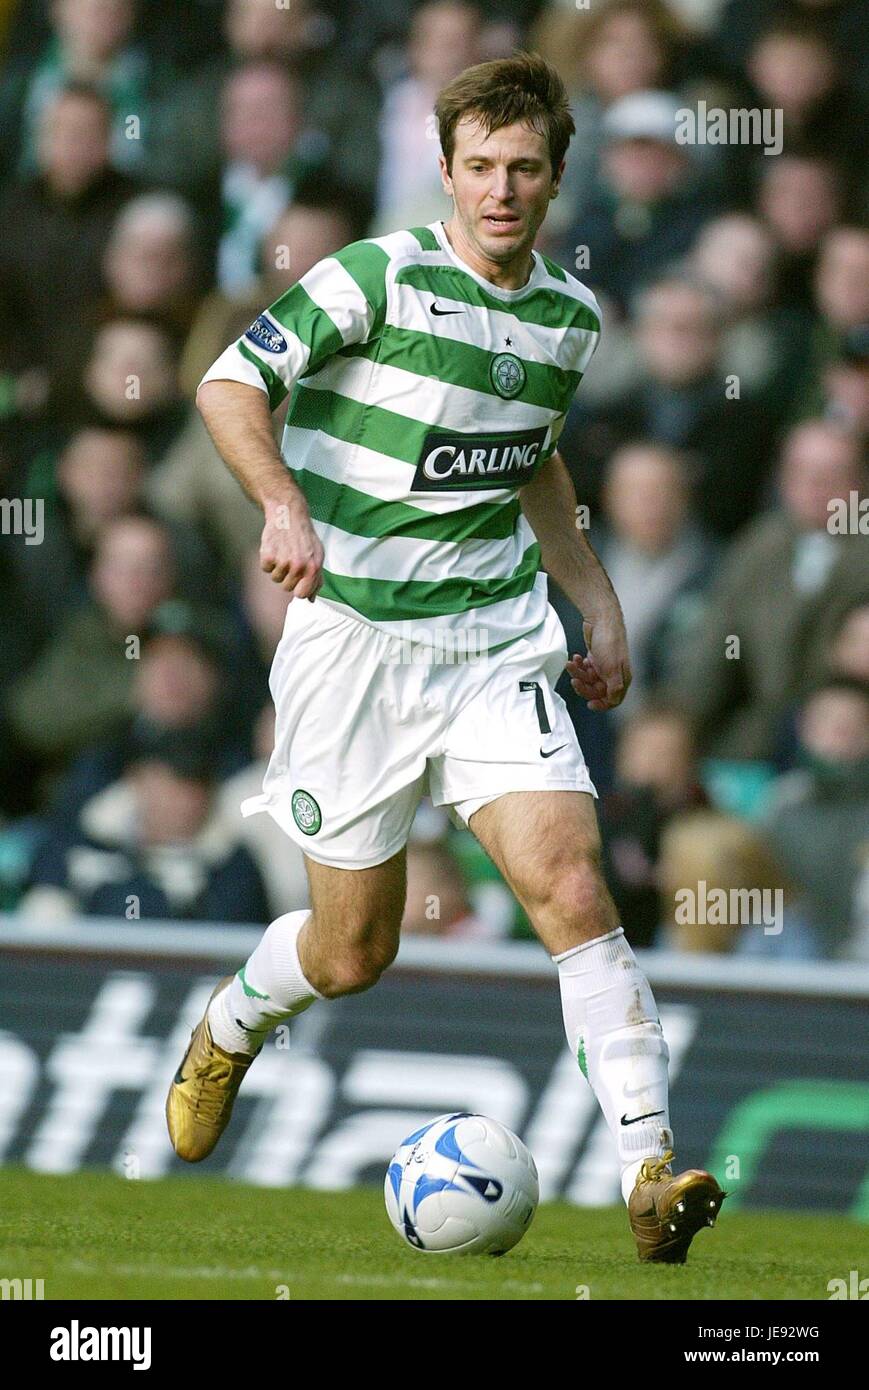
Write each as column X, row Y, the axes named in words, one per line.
column 238, row 418
column 603, row 676
column 340, row 301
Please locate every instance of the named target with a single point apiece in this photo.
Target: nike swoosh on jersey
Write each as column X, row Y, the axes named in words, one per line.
column 440, row 313
column 552, row 751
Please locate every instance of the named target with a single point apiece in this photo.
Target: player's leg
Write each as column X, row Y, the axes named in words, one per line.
column 547, row 846
column 330, row 672
column 341, row 945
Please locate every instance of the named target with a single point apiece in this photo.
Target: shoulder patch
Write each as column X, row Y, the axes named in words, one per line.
column 266, row 336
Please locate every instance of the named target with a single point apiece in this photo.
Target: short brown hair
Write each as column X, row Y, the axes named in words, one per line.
column 522, row 88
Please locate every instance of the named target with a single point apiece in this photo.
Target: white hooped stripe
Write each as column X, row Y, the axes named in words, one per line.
column 425, row 399
column 397, row 558
column 333, row 289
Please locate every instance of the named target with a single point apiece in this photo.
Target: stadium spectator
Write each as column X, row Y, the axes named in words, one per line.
column 56, row 224
column 264, row 159
column 91, row 41
column 344, row 131
column 656, row 779
column 182, row 683
column 152, row 845
column 340, row 100
column 437, row 897
column 735, row 298
column 842, row 280
column 656, row 558
column 604, row 53
column 444, row 39
column 739, row 23
column 799, row 197
column 131, row 380
column 795, row 69
column 785, row 582
column 685, row 399
column 848, row 651
column 844, row 393
column 763, row 342
column 98, row 478
column 646, row 212
column 838, row 337
column 704, row 852
column 817, row 822
column 78, row 689
column 150, row 266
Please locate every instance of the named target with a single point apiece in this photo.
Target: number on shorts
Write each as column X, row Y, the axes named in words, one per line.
column 540, row 704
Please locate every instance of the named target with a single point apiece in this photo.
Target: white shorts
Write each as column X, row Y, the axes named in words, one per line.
column 363, row 732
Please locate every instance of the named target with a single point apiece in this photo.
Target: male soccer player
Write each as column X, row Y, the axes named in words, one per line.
column 415, row 501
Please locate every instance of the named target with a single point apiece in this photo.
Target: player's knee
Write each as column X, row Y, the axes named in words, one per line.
column 575, row 892
column 359, row 966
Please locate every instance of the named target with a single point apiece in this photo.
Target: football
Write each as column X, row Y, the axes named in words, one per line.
column 463, row 1184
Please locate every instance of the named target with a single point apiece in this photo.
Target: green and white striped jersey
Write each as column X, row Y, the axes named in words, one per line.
column 423, row 397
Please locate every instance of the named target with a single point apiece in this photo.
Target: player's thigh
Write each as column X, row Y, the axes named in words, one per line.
column 357, row 911
column 547, row 846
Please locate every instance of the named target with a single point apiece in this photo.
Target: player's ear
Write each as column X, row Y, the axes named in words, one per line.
column 445, row 175
column 556, row 181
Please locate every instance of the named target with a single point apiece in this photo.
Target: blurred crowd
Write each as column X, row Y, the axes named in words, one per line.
column 167, row 169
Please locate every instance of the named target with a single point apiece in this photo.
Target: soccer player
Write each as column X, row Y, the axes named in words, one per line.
column 415, row 502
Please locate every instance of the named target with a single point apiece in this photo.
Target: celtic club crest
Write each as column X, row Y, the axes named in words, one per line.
column 306, row 812
column 508, row 375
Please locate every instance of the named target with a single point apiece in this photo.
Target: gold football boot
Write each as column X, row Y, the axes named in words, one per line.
column 200, row 1100
column 666, row 1211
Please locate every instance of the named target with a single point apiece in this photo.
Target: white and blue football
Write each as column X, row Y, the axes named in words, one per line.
column 463, row 1184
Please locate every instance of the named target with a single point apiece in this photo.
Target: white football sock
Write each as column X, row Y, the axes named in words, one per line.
column 269, row 988
column 614, row 1032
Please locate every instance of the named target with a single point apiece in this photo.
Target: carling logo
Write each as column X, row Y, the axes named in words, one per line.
column 477, row 461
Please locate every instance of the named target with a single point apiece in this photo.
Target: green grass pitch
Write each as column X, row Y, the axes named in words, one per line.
column 94, row 1235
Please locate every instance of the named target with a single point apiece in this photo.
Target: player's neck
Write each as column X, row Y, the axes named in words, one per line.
column 512, row 275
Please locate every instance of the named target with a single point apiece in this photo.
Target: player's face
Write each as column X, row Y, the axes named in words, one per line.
column 501, row 185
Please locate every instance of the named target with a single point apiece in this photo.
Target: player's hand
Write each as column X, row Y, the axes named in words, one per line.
column 602, row 678
column 291, row 551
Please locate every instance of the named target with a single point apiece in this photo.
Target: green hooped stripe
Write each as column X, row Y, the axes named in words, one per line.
column 297, row 312
column 555, row 270
column 426, row 238
column 546, row 307
column 367, row 265
column 462, row 364
column 249, row 989
column 360, row 514
column 580, row 1057
column 390, row 600
column 276, row 388
column 371, row 426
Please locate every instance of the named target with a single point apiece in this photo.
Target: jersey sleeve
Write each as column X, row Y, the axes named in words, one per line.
column 341, row 301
